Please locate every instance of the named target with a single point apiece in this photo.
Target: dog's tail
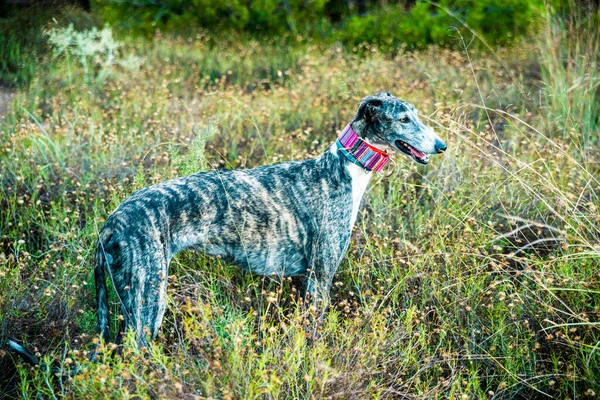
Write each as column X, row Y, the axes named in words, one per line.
column 103, row 262
column 23, row 352
column 32, row 359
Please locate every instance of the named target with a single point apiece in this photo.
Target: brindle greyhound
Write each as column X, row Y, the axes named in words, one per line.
column 287, row 219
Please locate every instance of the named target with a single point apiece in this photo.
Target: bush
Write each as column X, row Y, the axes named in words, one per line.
column 271, row 16
column 22, row 41
column 497, row 21
column 16, row 66
column 96, row 50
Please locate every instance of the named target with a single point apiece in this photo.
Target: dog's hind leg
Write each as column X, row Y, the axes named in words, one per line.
column 142, row 290
column 155, row 294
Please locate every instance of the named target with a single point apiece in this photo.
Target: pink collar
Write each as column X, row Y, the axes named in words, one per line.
column 360, row 152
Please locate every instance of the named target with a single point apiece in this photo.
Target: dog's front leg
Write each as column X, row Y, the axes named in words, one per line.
column 317, row 293
column 326, row 257
column 316, row 300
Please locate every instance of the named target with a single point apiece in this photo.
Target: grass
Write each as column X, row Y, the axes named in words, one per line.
column 473, row 277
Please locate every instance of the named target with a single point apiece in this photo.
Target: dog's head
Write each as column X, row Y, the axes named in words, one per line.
column 390, row 123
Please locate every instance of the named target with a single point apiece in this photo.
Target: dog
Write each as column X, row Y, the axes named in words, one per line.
column 287, row 219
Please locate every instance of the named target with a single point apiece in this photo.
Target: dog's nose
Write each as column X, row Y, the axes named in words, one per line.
column 440, row 146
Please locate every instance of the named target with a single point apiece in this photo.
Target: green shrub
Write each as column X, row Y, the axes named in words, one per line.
column 22, row 41
column 497, row 22
column 16, row 66
column 96, row 50
column 272, row 16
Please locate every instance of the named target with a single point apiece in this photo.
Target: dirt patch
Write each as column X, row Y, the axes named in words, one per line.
column 6, row 96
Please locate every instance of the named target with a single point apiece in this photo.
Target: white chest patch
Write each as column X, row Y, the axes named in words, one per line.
column 360, row 181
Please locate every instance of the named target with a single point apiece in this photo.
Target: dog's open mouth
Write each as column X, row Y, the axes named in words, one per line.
column 407, row 149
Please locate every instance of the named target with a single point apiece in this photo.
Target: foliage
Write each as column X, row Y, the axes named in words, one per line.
column 22, row 43
column 496, row 22
column 473, row 277
column 386, row 24
column 17, row 65
column 272, row 16
column 96, row 50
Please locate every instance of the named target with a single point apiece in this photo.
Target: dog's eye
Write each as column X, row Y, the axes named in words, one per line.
column 404, row 120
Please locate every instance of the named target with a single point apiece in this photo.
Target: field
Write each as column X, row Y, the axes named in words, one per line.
column 476, row 276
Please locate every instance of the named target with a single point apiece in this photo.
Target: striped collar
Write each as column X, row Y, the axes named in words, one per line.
column 360, row 152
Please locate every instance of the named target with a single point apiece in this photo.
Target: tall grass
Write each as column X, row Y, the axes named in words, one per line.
column 473, row 277
column 570, row 49
column 17, row 65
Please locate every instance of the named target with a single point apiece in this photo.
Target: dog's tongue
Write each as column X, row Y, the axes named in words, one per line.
column 416, row 152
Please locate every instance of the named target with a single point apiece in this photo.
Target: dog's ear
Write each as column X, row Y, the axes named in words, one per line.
column 373, row 110
column 369, row 109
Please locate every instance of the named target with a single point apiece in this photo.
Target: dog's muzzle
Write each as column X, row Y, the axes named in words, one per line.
column 410, row 151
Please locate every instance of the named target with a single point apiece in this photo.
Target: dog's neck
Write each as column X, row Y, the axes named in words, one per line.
column 358, row 176
column 357, row 166
column 361, row 152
